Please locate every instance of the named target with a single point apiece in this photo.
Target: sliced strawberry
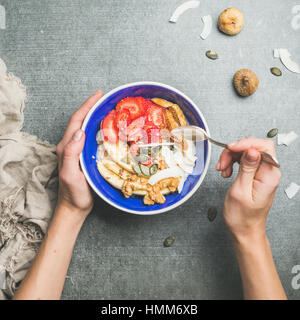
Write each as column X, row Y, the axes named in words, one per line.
column 149, row 125
column 143, row 104
column 152, row 132
column 155, row 114
column 148, row 162
column 123, row 135
column 123, row 119
column 137, row 123
column 135, row 130
column 154, row 135
column 134, row 149
column 146, row 104
column 133, row 104
column 108, row 128
column 137, row 135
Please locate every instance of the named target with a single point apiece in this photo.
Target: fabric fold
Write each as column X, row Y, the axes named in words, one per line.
column 28, row 186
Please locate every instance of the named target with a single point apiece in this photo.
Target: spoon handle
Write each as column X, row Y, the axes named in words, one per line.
column 220, row 144
column 265, row 157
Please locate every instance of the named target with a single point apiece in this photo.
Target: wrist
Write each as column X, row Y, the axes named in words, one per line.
column 250, row 242
column 69, row 214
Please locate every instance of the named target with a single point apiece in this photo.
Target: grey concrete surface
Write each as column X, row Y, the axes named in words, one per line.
column 65, row 50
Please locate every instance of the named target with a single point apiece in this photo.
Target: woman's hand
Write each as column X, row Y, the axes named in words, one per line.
column 249, row 199
column 246, row 208
column 74, row 193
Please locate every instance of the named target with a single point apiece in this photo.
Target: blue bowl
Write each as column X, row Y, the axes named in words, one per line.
column 91, row 126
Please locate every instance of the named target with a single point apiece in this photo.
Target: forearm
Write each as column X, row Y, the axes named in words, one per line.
column 259, row 275
column 45, row 279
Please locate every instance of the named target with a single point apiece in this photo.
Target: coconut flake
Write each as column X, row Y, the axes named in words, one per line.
column 99, row 137
column 285, row 58
column 181, row 182
column 292, row 190
column 295, row 23
column 189, row 153
column 207, row 20
column 182, row 8
column 276, row 53
column 168, row 156
column 179, row 159
column 190, row 161
column 100, row 155
column 176, row 160
column 2, row 18
column 286, row 138
column 166, row 173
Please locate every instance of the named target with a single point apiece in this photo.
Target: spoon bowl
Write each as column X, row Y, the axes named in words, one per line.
column 196, row 134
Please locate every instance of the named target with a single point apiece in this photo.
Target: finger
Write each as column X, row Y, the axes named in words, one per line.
column 227, row 172
column 258, row 144
column 225, row 160
column 70, row 158
column 80, row 114
column 77, row 118
column 268, row 175
column 265, row 188
column 250, row 162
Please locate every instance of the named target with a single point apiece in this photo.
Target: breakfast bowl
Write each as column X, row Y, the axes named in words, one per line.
column 89, row 155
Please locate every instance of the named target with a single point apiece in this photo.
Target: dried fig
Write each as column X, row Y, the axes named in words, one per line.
column 231, row 21
column 245, row 82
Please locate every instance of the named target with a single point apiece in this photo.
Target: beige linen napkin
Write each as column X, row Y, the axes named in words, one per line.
column 28, row 186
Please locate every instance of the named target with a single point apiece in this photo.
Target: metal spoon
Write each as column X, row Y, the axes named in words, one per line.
column 195, row 133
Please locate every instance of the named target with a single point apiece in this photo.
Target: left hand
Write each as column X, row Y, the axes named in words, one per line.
column 74, row 192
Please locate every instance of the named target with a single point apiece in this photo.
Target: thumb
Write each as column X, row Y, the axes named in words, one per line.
column 249, row 164
column 72, row 151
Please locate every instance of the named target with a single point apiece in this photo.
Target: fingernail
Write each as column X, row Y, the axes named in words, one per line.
column 232, row 144
column 218, row 165
column 98, row 91
column 77, row 135
column 223, row 174
column 252, row 156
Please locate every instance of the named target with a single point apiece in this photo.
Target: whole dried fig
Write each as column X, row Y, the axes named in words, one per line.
column 245, row 82
column 231, row 21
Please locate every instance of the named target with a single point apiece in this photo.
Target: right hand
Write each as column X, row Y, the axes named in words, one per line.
column 249, row 199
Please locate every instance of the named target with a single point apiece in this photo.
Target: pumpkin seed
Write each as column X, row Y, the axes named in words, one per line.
column 142, row 157
column 154, row 151
column 145, row 170
column 212, row 213
column 169, row 241
column 211, row 55
column 143, row 151
column 172, row 147
column 136, row 169
column 272, row 133
column 153, row 169
column 276, row 71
